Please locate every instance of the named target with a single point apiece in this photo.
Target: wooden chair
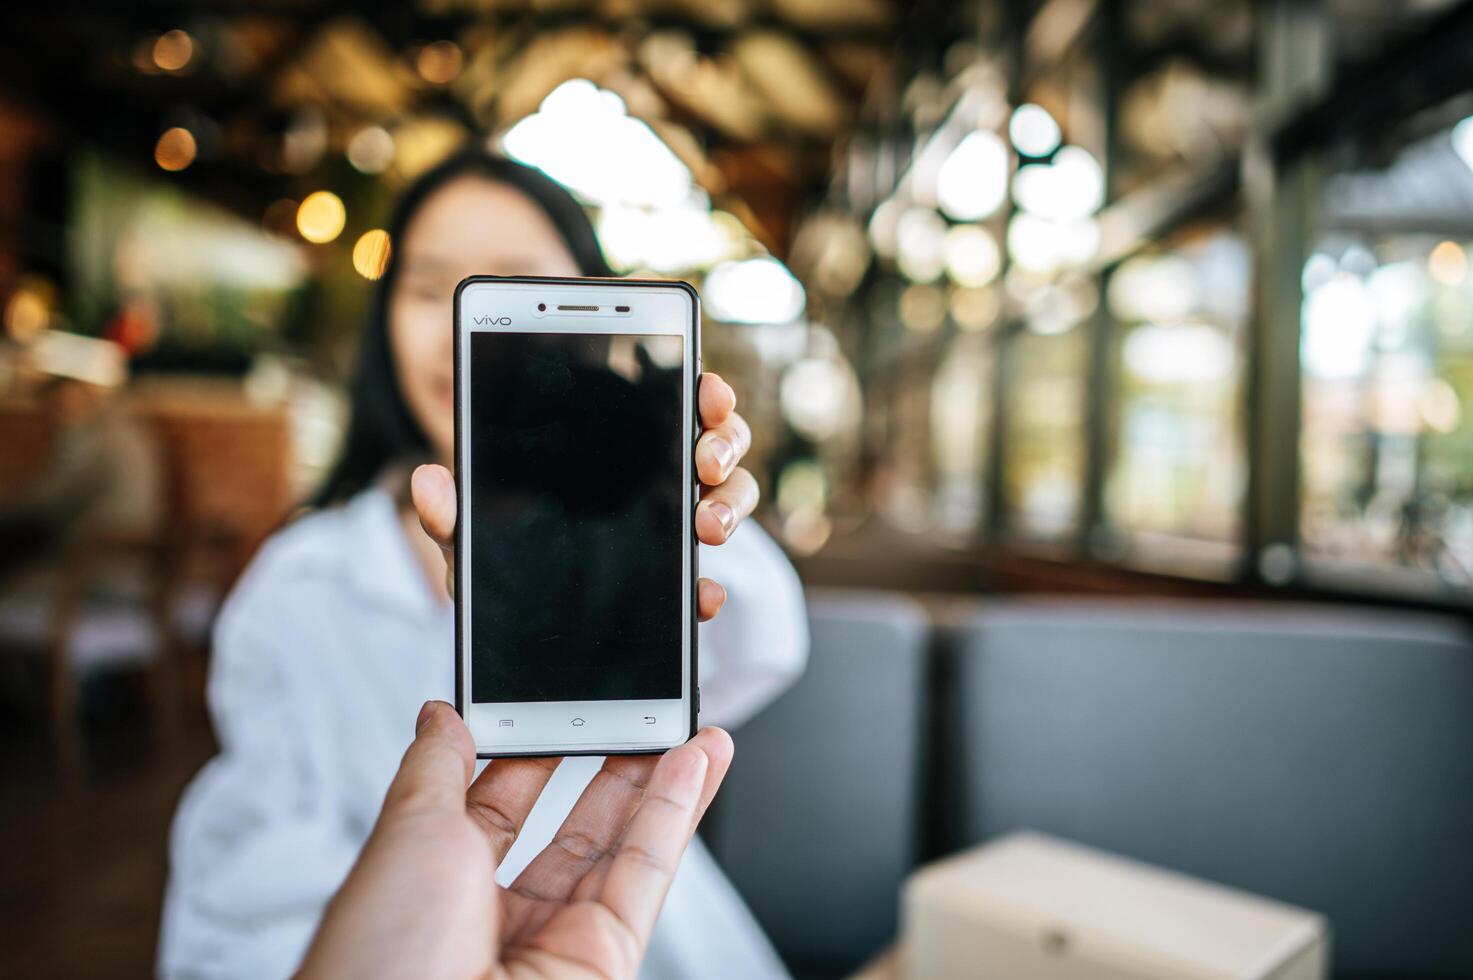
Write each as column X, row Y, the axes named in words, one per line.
column 224, row 488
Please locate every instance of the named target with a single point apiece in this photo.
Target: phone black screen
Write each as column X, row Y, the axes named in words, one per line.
column 576, row 477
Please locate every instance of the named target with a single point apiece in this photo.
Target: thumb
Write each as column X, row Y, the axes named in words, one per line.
column 436, row 768
column 433, row 490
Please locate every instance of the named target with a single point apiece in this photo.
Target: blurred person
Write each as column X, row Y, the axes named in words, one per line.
column 422, row 899
column 343, row 624
column 101, row 478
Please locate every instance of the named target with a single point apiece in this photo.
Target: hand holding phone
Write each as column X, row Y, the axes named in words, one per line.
column 422, row 899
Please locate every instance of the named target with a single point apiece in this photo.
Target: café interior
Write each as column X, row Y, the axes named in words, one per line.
column 1105, row 362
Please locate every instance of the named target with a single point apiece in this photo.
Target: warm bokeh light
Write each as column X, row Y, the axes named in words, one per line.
column 321, row 217
column 26, row 315
column 439, row 62
column 1448, row 264
column 972, row 255
column 923, row 308
column 371, row 253
column 173, row 50
column 175, row 149
column 974, row 309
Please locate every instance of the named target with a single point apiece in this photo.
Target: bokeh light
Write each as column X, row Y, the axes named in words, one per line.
column 974, row 310
column 371, row 150
column 1069, row 188
column 923, row 308
column 1043, row 246
column 818, row 396
column 1156, row 288
column 757, row 290
column 173, row 50
column 1033, row 131
column 1448, row 264
column 581, row 136
column 439, row 62
column 972, row 255
column 1440, row 408
column 26, row 315
column 175, row 149
column 1339, row 323
column 920, row 241
column 1178, row 353
column 884, row 227
column 973, row 182
column 371, row 253
column 321, row 217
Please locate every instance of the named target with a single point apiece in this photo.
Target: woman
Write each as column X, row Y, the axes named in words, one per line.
column 342, row 627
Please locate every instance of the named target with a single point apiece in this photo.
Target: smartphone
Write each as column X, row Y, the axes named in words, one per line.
column 575, row 548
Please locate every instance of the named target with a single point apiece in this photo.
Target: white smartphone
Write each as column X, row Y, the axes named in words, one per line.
column 575, row 548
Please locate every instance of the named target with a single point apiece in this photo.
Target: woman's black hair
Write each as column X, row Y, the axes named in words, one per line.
column 381, row 429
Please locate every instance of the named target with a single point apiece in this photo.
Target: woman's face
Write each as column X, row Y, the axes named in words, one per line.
column 471, row 226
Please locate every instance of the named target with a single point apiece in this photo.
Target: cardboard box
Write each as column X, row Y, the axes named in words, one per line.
column 1030, row 907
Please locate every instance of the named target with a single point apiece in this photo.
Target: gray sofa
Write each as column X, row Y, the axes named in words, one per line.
column 1319, row 755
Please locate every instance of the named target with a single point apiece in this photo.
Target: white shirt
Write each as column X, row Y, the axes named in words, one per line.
column 322, row 657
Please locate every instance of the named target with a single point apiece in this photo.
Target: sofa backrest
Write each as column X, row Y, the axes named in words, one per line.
column 817, row 822
column 1321, row 756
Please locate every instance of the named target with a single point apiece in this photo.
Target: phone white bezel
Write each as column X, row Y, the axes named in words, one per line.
column 577, row 727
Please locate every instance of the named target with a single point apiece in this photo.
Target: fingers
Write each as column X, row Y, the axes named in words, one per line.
column 721, row 447
column 645, row 860
column 436, row 767
column 710, row 597
column 502, row 796
column 716, row 400
column 433, row 490
column 591, row 829
column 726, row 506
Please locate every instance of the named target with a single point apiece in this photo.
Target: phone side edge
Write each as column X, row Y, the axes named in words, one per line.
column 693, row 692
column 459, row 612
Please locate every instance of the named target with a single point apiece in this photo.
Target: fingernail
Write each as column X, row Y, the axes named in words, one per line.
column 424, row 716
column 725, row 453
column 723, row 514
column 690, row 774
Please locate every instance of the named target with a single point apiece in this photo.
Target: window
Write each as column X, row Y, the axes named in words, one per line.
column 1043, row 432
column 1177, row 468
column 1387, row 360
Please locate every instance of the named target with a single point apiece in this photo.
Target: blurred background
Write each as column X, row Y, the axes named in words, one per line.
column 1107, row 362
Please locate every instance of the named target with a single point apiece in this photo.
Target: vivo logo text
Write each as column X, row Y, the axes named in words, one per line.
column 500, row 321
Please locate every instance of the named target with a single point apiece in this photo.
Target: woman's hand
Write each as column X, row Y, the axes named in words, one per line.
column 730, row 491
column 422, row 900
